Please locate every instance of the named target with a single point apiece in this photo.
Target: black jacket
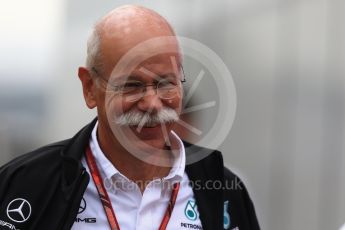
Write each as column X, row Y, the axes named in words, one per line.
column 48, row 185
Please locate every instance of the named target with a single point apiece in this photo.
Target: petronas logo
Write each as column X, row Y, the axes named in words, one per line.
column 191, row 210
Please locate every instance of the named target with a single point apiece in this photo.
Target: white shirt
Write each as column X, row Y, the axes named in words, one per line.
column 133, row 209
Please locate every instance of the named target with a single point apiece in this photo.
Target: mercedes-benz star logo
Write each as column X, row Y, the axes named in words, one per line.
column 82, row 206
column 19, row 210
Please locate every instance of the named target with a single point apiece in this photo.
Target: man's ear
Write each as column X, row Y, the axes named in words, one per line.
column 89, row 87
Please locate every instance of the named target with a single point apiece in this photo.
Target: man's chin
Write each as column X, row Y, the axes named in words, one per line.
column 154, row 136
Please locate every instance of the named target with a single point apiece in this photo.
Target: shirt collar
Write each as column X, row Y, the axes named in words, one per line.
column 179, row 155
column 109, row 170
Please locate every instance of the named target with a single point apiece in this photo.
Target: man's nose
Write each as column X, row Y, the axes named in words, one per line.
column 150, row 100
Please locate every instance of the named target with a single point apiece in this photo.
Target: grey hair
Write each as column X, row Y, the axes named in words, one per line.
column 93, row 58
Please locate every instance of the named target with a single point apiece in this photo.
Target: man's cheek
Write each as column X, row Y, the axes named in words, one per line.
column 126, row 106
column 175, row 104
column 113, row 106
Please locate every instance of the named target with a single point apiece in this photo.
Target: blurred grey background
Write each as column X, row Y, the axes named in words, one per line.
column 287, row 60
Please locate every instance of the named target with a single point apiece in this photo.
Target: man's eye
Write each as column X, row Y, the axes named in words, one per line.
column 132, row 85
column 165, row 83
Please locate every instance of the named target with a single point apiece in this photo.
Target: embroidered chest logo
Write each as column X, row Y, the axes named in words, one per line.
column 82, row 206
column 190, row 210
column 82, row 219
column 19, row 210
column 226, row 215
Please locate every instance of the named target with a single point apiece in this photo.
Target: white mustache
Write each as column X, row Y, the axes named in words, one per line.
column 134, row 118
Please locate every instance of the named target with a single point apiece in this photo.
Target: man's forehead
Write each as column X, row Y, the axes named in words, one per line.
column 158, row 65
column 143, row 55
column 169, row 59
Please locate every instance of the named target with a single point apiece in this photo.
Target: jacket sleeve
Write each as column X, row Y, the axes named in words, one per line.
column 240, row 206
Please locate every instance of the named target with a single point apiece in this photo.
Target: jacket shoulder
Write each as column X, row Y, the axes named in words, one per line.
column 35, row 167
column 229, row 175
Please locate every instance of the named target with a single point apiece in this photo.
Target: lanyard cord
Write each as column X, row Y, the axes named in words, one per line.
column 103, row 195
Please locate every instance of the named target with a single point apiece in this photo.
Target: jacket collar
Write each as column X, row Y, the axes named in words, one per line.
column 71, row 155
column 76, row 147
column 203, row 175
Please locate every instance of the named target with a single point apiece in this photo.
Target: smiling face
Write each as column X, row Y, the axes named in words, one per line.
column 150, row 110
column 151, row 116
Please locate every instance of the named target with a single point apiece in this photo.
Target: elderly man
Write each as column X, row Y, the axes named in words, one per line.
column 126, row 169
